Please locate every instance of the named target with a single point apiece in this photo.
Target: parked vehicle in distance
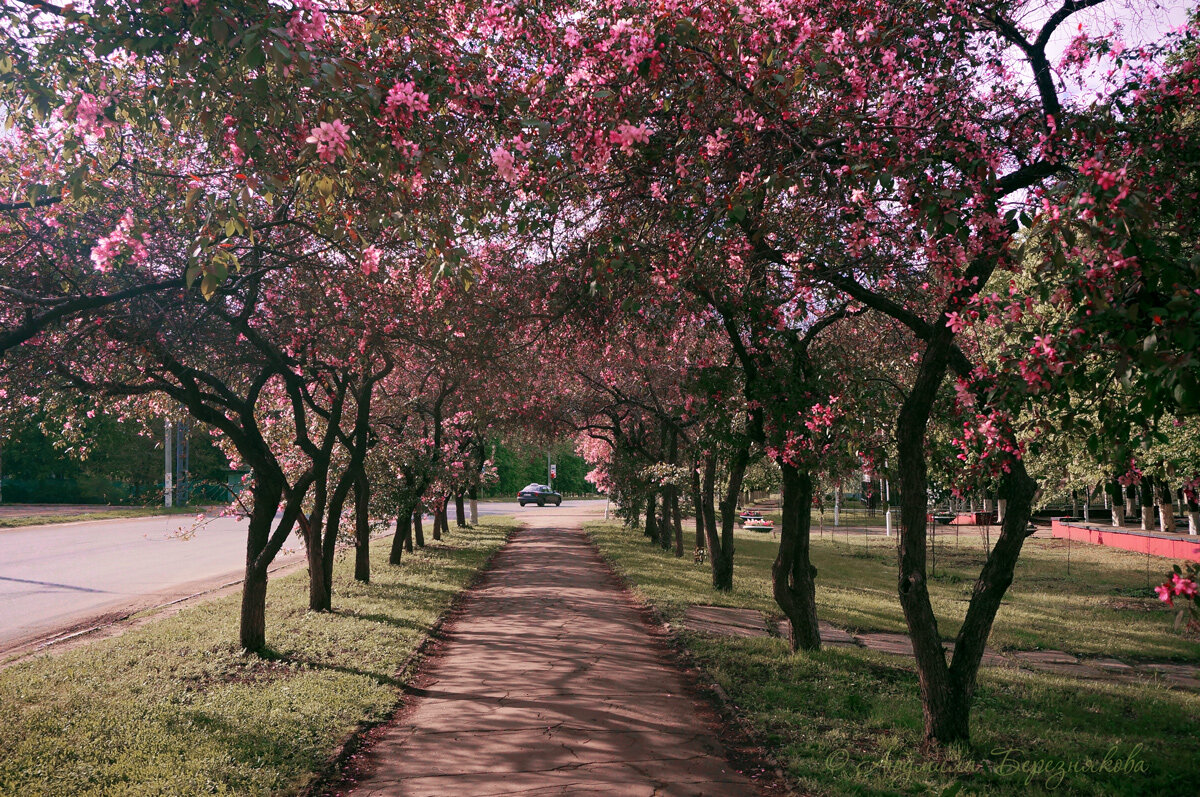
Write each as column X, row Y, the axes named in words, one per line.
column 538, row 494
column 750, row 514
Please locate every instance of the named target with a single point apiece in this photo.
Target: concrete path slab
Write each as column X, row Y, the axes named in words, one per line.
column 549, row 682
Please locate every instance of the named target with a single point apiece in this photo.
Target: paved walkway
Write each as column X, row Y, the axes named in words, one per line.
column 549, row 683
column 750, row 623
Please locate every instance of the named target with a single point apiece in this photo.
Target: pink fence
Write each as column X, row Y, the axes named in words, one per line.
column 1138, row 541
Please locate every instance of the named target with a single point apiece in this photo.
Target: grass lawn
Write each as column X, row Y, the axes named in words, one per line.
column 174, row 708
column 847, row 721
column 39, row 516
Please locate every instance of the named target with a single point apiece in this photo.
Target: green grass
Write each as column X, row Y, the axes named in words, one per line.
column 38, row 518
column 848, row 721
column 174, row 708
column 1102, row 608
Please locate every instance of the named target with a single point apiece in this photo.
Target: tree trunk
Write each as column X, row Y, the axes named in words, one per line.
column 473, row 496
column 362, row 529
column 678, row 522
column 651, row 507
column 1131, row 506
column 1166, row 507
column 441, row 523
column 419, row 526
column 698, row 503
column 947, row 690
column 252, row 631
column 1146, row 493
column 664, row 520
column 460, row 511
column 793, row 575
column 318, row 595
column 1118, row 509
column 1193, row 512
column 404, row 518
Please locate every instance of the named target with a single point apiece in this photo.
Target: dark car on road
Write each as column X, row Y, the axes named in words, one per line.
column 538, row 494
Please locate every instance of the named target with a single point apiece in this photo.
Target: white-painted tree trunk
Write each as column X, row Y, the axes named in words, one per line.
column 1118, row 515
column 474, row 512
column 1001, row 505
column 1193, row 522
column 1147, row 518
column 1087, row 505
column 1166, row 516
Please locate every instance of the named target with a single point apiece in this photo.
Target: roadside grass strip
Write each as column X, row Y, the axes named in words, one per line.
column 49, row 516
column 175, row 708
column 848, row 720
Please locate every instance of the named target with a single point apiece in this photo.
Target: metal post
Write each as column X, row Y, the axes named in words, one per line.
column 837, row 504
column 168, row 464
column 888, row 522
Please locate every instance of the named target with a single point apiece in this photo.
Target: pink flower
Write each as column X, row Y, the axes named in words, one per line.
column 88, row 113
column 505, row 164
column 1165, row 594
column 370, row 261
column 1183, row 586
column 405, row 95
column 307, row 23
column 331, row 139
column 864, row 33
column 837, row 42
column 956, row 322
column 626, row 135
column 109, row 246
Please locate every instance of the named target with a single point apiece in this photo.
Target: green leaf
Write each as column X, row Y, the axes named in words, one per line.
column 738, row 212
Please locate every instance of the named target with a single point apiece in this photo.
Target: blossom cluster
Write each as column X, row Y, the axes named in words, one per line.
column 331, row 139
column 307, row 23
column 1181, row 584
column 109, row 246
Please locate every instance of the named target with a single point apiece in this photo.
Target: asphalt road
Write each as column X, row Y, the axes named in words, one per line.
column 58, row 577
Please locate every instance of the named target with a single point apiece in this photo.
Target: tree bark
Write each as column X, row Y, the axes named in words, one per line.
column 403, row 536
column 1146, row 493
column 318, row 596
column 793, row 575
column 1118, row 509
column 252, row 633
column 664, row 520
column 460, row 511
column 419, row 526
column 651, row 508
column 947, row 690
column 473, row 497
column 1166, row 507
column 1131, row 506
column 698, row 503
column 362, row 529
column 678, row 522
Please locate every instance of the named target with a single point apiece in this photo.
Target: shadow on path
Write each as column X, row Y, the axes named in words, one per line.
column 549, row 683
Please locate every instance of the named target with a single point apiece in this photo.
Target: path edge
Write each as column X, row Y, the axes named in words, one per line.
column 749, row 752
column 333, row 774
